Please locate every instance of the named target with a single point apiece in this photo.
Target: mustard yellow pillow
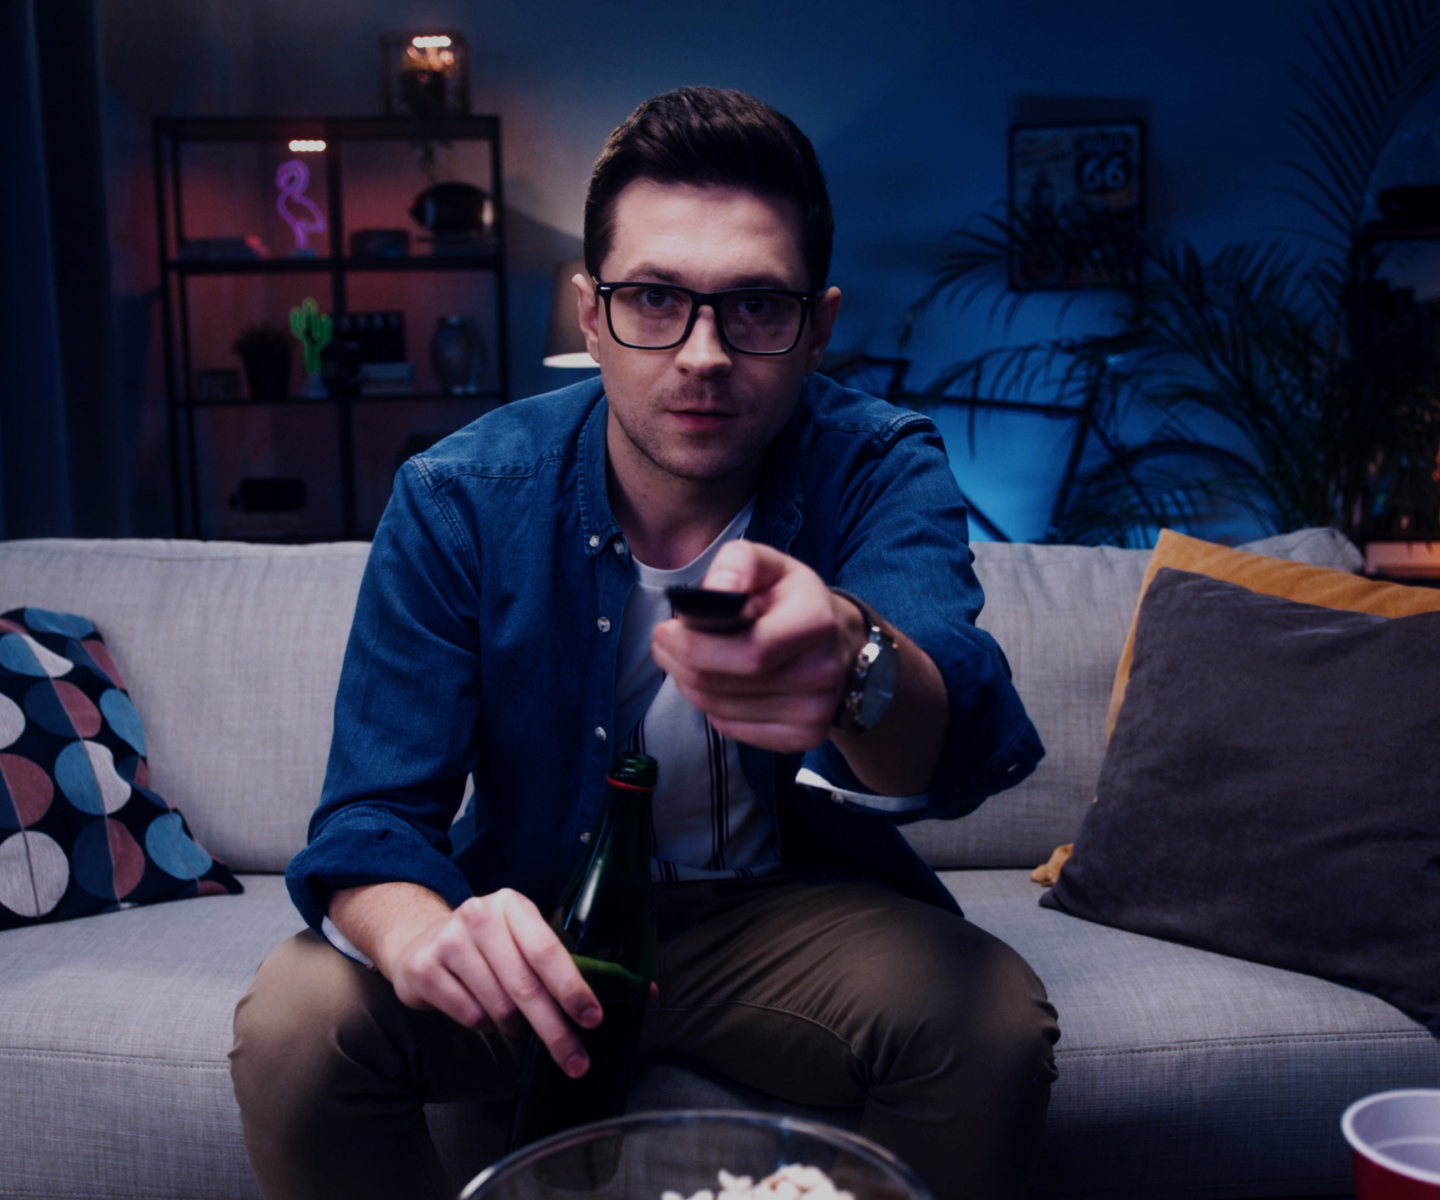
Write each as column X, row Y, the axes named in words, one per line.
column 1300, row 582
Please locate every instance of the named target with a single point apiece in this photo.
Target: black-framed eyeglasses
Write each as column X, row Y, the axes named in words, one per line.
column 660, row 316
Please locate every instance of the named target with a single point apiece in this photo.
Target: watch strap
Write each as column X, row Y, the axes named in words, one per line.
column 848, row 712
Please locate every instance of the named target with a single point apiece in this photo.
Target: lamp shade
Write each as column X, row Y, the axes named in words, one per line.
column 565, row 346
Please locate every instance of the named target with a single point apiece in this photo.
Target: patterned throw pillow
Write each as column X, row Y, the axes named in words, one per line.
column 80, row 830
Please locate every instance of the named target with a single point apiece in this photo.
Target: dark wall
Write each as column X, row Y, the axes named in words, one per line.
column 908, row 106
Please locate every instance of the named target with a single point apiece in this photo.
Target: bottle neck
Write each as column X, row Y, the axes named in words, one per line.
column 622, row 845
column 625, row 827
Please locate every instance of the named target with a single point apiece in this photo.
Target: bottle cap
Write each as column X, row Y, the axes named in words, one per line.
column 635, row 772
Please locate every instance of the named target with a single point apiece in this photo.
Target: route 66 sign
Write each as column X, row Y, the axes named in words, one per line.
column 1063, row 175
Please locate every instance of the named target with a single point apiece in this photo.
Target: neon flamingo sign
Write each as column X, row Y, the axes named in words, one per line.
column 292, row 179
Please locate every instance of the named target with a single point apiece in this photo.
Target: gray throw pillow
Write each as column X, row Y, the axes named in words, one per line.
column 1272, row 790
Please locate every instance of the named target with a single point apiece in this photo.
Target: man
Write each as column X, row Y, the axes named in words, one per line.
column 512, row 626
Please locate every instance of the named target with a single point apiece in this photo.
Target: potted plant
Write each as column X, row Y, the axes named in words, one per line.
column 1327, row 375
column 265, row 350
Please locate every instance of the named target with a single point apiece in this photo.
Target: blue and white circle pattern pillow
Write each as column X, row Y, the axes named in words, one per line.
column 80, row 830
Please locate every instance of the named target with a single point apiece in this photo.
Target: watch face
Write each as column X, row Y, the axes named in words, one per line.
column 879, row 687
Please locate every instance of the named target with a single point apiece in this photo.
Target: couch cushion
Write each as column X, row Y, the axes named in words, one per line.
column 1184, row 1072
column 1181, row 1072
column 232, row 656
column 1060, row 614
column 113, row 1037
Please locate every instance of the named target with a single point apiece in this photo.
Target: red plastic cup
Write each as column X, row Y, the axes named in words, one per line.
column 1395, row 1145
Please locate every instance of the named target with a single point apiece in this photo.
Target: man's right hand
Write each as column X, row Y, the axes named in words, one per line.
column 491, row 964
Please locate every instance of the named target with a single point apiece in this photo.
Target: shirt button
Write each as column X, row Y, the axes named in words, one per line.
column 594, row 540
column 619, row 546
column 604, row 623
column 599, row 733
column 585, row 837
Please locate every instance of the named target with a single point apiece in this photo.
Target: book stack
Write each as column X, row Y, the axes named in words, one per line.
column 386, row 378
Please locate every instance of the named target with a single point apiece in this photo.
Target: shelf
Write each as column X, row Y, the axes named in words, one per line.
column 204, row 449
column 1404, row 562
column 354, row 129
column 316, row 266
column 492, row 395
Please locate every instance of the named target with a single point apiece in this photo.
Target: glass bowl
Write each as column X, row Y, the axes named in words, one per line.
column 643, row 1156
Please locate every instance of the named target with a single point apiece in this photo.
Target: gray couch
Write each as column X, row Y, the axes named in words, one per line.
column 1182, row 1073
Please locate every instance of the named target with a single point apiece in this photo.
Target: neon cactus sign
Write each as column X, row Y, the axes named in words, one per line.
column 313, row 330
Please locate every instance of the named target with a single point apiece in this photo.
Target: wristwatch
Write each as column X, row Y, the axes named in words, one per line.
column 871, row 685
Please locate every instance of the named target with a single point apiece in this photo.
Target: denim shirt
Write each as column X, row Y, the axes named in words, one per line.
column 485, row 637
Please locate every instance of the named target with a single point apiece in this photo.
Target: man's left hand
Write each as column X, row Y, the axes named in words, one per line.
column 777, row 683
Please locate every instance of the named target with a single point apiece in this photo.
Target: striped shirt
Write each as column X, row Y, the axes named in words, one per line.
column 707, row 823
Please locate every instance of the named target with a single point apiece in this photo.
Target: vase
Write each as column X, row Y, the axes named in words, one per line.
column 457, row 353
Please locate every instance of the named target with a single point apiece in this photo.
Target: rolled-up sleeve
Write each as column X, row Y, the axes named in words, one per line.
column 406, row 713
column 904, row 551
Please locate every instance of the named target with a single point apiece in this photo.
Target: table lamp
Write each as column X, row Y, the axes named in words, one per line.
column 565, row 346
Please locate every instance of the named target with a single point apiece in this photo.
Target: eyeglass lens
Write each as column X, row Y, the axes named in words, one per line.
column 759, row 322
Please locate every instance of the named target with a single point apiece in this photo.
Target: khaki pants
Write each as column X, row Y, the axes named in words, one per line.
column 834, row 994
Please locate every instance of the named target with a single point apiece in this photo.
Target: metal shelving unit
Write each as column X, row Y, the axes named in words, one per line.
column 197, row 491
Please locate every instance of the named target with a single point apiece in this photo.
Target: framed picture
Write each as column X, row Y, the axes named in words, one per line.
column 1076, row 204
column 424, row 74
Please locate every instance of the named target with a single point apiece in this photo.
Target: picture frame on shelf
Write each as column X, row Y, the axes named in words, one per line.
column 1062, row 177
column 424, row 74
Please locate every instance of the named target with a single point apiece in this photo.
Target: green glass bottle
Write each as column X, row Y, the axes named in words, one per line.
column 606, row 919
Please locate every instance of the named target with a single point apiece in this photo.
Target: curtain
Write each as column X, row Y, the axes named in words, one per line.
column 60, row 473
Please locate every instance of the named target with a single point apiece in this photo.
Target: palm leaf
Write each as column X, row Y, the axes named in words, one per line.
column 1171, row 483
column 1339, row 417
column 1375, row 60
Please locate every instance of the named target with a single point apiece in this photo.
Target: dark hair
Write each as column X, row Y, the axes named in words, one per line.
column 712, row 136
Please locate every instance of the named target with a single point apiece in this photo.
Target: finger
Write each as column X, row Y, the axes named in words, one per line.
column 429, row 979
column 524, row 988
column 742, row 566
column 799, row 622
column 748, row 653
column 813, row 673
column 733, row 568
column 780, row 737
column 458, row 956
column 453, row 998
column 551, row 962
column 809, row 711
column 746, row 675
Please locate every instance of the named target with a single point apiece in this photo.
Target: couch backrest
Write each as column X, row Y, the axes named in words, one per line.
column 1060, row 613
column 231, row 653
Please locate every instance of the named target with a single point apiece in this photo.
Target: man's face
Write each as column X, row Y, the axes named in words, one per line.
column 700, row 411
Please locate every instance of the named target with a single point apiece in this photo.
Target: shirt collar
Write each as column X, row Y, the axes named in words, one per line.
column 778, row 512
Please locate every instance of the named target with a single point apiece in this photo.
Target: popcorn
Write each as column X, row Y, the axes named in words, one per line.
column 792, row 1182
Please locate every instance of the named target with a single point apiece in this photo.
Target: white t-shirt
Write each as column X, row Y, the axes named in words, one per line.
column 708, row 824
